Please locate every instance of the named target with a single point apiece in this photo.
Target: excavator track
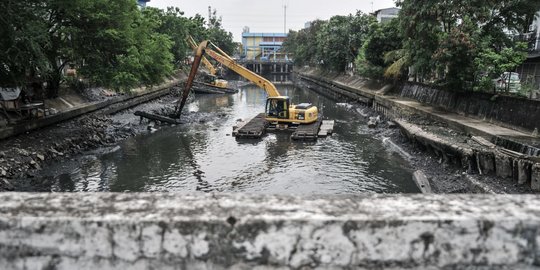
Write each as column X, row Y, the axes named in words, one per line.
column 253, row 129
column 307, row 132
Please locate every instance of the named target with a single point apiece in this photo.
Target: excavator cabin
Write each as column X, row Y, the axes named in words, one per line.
column 280, row 110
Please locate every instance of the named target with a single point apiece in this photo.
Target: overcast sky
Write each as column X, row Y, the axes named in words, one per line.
column 268, row 16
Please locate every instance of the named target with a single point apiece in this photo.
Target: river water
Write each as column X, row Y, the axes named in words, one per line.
column 204, row 157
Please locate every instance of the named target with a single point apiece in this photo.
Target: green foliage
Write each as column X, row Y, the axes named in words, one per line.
column 24, row 37
column 302, row 45
column 340, row 40
column 218, row 35
column 176, row 27
column 382, row 39
column 332, row 44
column 111, row 43
column 493, row 63
column 458, row 43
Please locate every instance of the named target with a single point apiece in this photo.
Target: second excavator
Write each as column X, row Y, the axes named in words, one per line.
column 279, row 111
column 211, row 84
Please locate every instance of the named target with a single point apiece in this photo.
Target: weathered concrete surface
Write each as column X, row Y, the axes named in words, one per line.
column 173, row 231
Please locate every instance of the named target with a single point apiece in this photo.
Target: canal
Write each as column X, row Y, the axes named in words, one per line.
column 204, row 157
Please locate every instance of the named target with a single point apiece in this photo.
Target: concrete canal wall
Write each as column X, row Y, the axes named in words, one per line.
column 174, row 231
column 504, row 110
column 109, row 106
column 501, row 156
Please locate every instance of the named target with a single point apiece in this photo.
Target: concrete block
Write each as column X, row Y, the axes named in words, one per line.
column 503, row 166
column 524, row 171
column 486, row 162
column 535, row 177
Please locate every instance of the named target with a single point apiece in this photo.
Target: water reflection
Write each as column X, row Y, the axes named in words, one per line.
column 203, row 157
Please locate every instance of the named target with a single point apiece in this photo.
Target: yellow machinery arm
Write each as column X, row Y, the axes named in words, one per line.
column 227, row 61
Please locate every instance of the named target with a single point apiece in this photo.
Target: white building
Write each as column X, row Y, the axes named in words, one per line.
column 142, row 3
column 536, row 27
column 386, row 14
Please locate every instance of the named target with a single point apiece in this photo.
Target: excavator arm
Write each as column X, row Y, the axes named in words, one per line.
column 227, row 61
column 194, row 67
column 217, row 54
column 253, row 77
column 205, row 61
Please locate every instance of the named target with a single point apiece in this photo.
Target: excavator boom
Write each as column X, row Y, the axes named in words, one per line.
column 194, row 67
column 227, row 61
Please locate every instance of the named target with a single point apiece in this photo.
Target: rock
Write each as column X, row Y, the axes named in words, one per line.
column 40, row 157
column 55, row 152
column 23, row 152
column 3, row 172
column 362, row 112
column 6, row 185
column 372, row 123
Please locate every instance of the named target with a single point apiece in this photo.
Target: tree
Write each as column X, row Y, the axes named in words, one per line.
column 302, row 45
column 334, row 43
column 218, row 35
column 23, row 42
column 381, row 39
column 177, row 27
column 148, row 59
column 445, row 40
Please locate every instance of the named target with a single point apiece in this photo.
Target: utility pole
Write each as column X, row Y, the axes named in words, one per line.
column 209, row 15
column 285, row 19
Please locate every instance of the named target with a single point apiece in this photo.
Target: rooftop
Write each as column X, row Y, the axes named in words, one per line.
column 264, row 34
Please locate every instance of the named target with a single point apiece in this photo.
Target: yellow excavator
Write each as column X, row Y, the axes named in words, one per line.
column 210, row 79
column 279, row 109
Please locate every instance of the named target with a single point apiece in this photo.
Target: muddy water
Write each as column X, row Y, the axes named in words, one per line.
column 203, row 157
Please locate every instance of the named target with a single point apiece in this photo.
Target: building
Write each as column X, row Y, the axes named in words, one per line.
column 142, row 3
column 263, row 46
column 529, row 70
column 386, row 14
column 535, row 27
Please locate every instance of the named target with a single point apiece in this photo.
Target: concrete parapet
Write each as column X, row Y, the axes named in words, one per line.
column 174, row 231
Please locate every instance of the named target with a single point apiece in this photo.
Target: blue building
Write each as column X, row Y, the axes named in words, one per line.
column 263, row 46
column 142, row 3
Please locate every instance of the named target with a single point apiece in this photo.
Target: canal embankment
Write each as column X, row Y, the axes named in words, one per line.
column 26, row 147
column 491, row 139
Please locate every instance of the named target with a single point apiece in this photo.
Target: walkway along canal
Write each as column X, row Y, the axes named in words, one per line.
column 203, row 156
